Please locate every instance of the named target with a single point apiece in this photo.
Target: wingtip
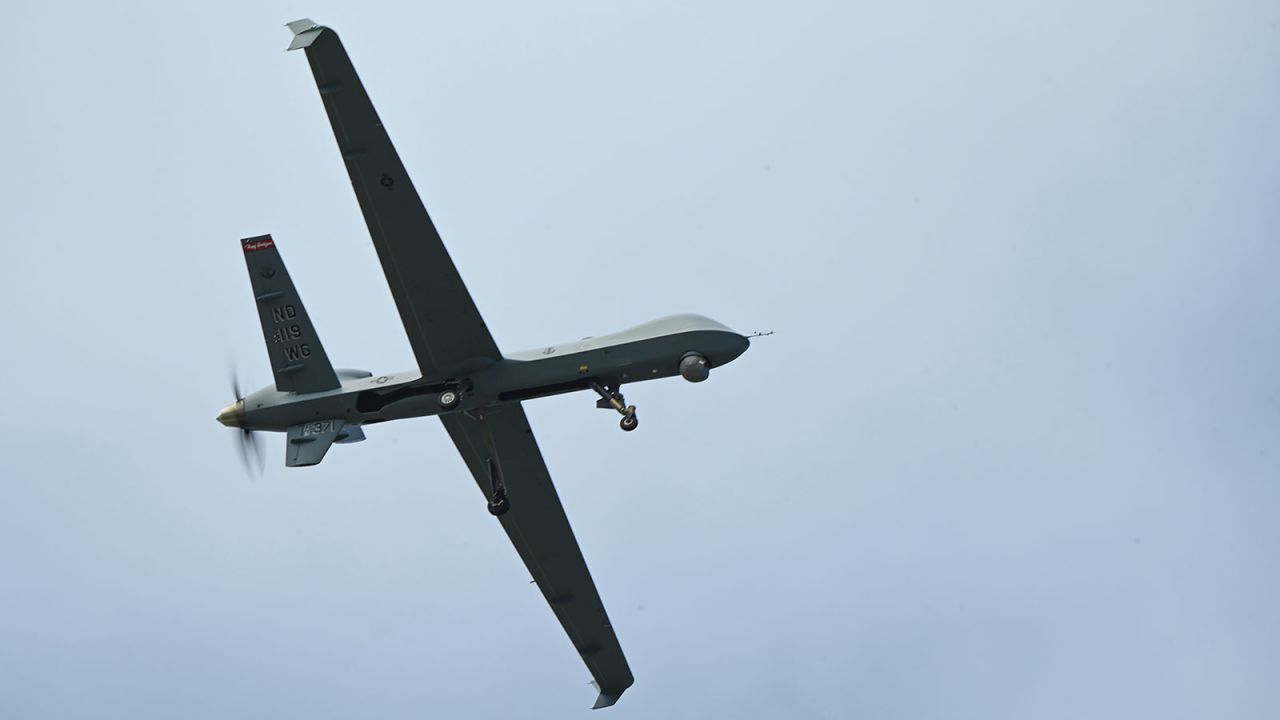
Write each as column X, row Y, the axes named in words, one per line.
column 606, row 699
column 301, row 25
column 304, row 30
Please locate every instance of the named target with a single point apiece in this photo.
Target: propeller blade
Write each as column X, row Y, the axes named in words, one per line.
column 234, row 377
column 244, row 457
column 251, row 454
column 260, row 452
column 243, row 447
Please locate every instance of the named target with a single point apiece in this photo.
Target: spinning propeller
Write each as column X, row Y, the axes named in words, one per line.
column 251, row 452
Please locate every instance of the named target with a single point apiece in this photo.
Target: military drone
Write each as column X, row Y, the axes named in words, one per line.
column 461, row 377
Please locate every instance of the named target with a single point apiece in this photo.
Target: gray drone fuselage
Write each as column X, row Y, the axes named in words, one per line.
column 645, row 352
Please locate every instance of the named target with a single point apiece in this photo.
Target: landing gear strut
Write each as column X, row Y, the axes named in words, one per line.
column 613, row 399
column 498, row 503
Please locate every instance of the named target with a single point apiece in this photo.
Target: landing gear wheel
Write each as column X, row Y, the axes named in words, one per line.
column 449, row 399
column 613, row 399
column 499, row 505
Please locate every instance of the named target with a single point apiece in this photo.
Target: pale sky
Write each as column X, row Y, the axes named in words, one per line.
column 1013, row 451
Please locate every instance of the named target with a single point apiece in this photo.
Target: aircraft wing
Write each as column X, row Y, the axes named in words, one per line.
column 537, row 526
column 445, row 329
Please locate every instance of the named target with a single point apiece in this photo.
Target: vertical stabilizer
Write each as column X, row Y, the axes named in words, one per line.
column 297, row 358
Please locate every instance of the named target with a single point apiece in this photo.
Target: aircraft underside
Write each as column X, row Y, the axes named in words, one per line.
column 461, row 376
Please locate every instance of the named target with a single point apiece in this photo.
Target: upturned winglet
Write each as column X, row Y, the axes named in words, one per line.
column 304, row 32
column 606, row 699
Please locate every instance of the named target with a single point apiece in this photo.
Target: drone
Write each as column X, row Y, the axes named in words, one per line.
column 461, row 377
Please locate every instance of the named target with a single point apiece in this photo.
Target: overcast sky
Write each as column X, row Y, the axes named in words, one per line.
column 1013, row 451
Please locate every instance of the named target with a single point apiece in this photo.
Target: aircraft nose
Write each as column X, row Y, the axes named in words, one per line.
column 232, row 415
column 735, row 345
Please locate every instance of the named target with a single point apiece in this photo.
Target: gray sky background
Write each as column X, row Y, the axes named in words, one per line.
column 1014, row 450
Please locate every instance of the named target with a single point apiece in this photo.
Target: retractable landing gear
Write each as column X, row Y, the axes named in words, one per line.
column 613, row 399
column 449, row 398
column 498, row 503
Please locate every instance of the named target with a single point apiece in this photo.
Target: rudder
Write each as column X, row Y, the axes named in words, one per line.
column 298, row 360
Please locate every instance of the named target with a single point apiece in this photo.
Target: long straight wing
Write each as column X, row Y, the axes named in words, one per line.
column 538, row 528
column 445, row 329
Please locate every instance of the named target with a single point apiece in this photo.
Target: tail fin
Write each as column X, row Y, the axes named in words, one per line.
column 297, row 357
